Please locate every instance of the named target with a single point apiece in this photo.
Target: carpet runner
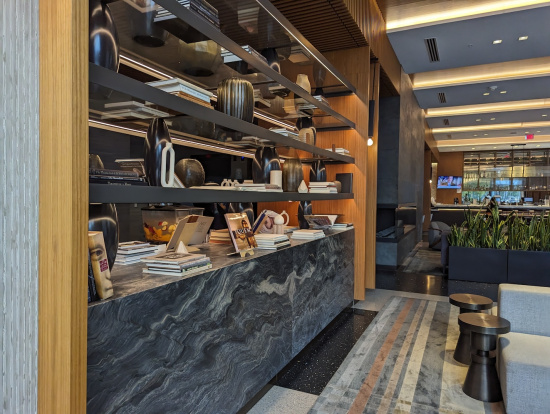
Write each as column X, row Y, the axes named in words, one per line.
column 403, row 363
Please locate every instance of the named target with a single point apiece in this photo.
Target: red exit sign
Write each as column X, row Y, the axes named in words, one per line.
column 529, row 136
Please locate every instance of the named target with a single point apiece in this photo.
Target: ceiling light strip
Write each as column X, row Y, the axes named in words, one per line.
column 514, row 125
column 488, row 108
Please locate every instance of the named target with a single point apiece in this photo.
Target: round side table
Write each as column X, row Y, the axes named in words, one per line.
column 467, row 303
column 482, row 381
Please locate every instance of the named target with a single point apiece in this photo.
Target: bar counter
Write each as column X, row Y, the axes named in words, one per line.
column 211, row 341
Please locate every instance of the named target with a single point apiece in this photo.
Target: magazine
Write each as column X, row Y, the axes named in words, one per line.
column 240, row 231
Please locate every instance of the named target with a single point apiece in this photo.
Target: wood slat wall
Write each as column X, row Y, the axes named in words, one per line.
column 63, row 201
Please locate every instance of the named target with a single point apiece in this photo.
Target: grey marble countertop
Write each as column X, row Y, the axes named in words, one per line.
column 502, row 207
column 130, row 280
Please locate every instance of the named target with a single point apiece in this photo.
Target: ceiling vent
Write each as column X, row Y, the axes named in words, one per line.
column 441, row 97
column 431, row 46
column 446, row 122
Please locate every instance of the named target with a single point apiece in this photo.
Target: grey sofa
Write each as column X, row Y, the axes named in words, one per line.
column 524, row 353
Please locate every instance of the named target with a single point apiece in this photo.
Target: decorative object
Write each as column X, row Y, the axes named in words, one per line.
column 305, row 208
column 247, row 208
column 201, row 58
column 167, row 181
column 265, row 160
column 280, row 223
column 304, row 122
column 95, row 162
column 100, row 265
column 103, row 46
column 157, row 137
column 104, row 218
column 293, row 173
column 303, row 82
column 190, row 172
column 236, row 98
column 144, row 30
column 302, row 188
column 240, row 231
column 317, row 171
column 319, row 74
column 338, row 185
column 276, row 177
column 159, row 222
column 308, row 135
column 272, row 58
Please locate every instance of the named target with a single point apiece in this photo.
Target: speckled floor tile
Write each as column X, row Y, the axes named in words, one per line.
column 280, row 400
column 311, row 370
column 375, row 299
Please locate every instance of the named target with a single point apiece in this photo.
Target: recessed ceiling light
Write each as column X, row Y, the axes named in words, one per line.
column 523, row 38
column 545, row 115
column 538, row 131
column 492, row 119
column 477, row 120
column 538, row 145
column 502, row 91
column 494, row 147
column 485, row 134
column 486, row 93
column 526, row 132
column 497, row 42
column 475, row 135
column 473, row 147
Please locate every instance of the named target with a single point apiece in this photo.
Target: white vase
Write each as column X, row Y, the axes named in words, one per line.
column 303, row 82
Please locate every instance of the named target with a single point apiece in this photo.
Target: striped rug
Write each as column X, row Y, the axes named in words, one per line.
column 403, row 363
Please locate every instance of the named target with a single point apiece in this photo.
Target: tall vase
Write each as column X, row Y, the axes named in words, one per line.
column 265, row 160
column 303, row 82
column 317, row 171
column 304, row 209
column 104, row 218
column 157, row 137
column 293, row 174
column 236, row 98
column 144, row 29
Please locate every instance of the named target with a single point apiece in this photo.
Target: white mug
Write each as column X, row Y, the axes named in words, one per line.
column 276, row 177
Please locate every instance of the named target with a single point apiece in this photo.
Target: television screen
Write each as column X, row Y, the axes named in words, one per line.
column 449, row 181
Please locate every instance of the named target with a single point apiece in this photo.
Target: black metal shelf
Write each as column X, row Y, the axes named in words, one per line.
column 105, row 193
column 116, row 81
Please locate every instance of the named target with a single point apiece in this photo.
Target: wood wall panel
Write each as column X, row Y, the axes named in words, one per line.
column 19, row 149
column 450, row 163
column 63, row 201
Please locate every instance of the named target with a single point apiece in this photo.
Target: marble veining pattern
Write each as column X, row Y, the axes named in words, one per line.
column 208, row 343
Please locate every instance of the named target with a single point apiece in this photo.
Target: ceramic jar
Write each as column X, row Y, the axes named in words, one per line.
column 190, row 172
column 157, row 137
column 293, row 174
column 303, row 82
column 236, row 98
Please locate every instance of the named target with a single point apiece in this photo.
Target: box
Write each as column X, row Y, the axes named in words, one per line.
column 159, row 222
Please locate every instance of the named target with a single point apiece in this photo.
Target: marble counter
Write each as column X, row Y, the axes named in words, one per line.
column 209, row 342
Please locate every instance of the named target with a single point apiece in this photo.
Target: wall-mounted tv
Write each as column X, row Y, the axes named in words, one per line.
column 449, row 181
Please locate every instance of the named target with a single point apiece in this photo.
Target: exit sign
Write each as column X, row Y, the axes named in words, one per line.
column 529, row 136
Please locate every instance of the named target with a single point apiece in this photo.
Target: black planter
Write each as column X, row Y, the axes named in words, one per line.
column 529, row 268
column 104, row 218
column 478, row 265
column 265, row 160
column 317, row 171
column 158, row 136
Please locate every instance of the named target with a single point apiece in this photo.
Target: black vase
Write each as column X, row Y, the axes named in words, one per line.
column 157, row 137
column 293, row 174
column 103, row 46
column 272, row 58
column 104, row 218
column 144, row 30
column 248, row 208
column 304, row 209
column 317, row 171
column 236, row 98
column 190, row 172
column 265, row 160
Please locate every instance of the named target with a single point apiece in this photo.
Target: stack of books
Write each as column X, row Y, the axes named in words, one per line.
column 307, row 234
column 271, row 241
column 176, row 264
column 132, row 252
column 131, row 109
column 229, row 57
column 342, row 226
column 119, row 177
column 200, row 7
column 220, row 236
column 339, row 150
column 250, row 187
column 185, row 90
column 326, row 187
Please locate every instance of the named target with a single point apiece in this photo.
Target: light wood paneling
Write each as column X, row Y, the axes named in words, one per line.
column 450, row 163
column 63, row 206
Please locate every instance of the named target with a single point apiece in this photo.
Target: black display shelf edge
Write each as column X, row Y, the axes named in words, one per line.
column 121, row 83
column 105, row 193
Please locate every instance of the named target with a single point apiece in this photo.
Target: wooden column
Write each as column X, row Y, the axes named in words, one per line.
column 63, row 206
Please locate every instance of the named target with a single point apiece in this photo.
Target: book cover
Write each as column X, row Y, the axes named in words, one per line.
column 100, row 265
column 240, row 231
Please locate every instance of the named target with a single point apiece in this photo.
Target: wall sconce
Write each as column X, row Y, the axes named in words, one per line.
column 370, row 142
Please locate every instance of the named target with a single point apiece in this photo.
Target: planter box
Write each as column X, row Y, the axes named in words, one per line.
column 478, row 265
column 529, row 268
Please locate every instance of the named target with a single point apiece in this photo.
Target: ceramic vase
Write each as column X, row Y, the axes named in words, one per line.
column 293, row 174
column 190, row 172
column 201, row 58
column 236, row 98
column 303, row 82
column 103, row 46
column 317, row 171
column 104, row 218
column 319, row 74
column 157, row 137
column 304, row 209
column 265, row 160
column 144, row 30
column 308, row 135
column 248, row 208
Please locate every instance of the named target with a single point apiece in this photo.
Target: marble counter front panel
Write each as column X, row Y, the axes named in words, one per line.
column 208, row 343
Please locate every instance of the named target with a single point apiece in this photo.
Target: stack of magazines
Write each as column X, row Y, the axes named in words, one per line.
column 132, row 252
column 339, row 150
column 272, row 241
column 200, row 7
column 342, row 226
column 105, row 176
column 229, row 57
column 185, row 90
column 308, row 234
column 176, row 264
column 325, row 187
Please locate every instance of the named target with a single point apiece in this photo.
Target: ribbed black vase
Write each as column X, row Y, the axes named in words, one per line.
column 293, row 174
column 157, row 137
column 317, row 171
column 265, row 160
column 104, row 218
column 103, row 46
column 236, row 98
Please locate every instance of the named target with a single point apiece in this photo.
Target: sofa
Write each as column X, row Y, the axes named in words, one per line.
column 524, row 354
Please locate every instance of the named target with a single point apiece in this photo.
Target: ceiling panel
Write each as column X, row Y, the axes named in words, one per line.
column 469, row 42
column 516, row 90
column 486, row 119
column 491, row 134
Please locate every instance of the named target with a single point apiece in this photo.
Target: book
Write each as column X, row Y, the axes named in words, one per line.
column 240, row 231
column 133, row 244
column 173, row 257
column 182, row 273
column 113, row 173
column 100, row 264
column 92, row 291
column 321, row 220
column 132, row 164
